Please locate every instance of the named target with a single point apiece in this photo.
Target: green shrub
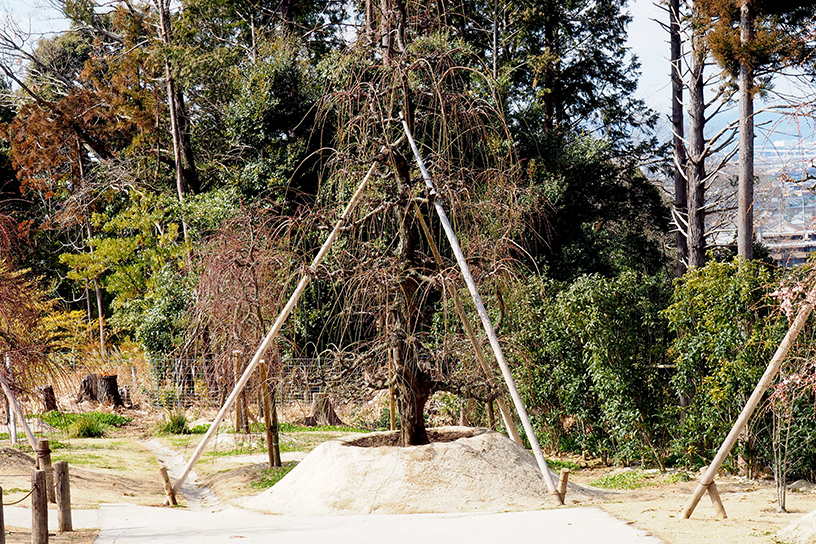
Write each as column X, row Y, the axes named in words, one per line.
column 200, row 429
column 557, row 464
column 176, row 423
column 87, row 427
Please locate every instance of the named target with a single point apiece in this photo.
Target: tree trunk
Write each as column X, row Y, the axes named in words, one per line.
column 108, row 390
column 696, row 158
column 413, row 384
column 680, row 188
column 322, row 412
column 89, row 388
column 745, row 220
column 47, row 398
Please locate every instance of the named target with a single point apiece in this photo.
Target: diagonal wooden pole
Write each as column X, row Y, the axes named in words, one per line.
column 16, row 407
column 488, row 326
column 707, row 481
column 276, row 327
column 507, row 416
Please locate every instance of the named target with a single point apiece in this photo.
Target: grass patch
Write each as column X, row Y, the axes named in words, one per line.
column 292, row 428
column 624, row 480
column 271, row 476
column 677, row 477
column 87, row 425
column 557, row 465
column 14, row 490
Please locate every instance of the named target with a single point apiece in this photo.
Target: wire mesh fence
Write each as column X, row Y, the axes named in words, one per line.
column 184, row 382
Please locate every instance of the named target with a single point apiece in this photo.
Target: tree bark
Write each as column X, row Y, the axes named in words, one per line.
column 322, row 412
column 108, row 390
column 745, row 220
column 696, row 158
column 413, row 384
column 47, row 398
column 680, row 188
column 89, row 388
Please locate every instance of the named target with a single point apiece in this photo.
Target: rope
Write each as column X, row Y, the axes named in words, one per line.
column 18, row 501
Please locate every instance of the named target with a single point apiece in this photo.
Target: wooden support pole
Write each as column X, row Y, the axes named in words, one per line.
column 507, row 415
column 63, row 488
column 563, row 480
column 486, row 323
column 714, row 494
column 276, row 327
column 750, row 406
column 39, row 508
column 168, row 488
column 2, row 519
column 17, row 410
column 44, row 463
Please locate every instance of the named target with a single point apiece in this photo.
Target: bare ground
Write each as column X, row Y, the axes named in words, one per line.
column 119, row 469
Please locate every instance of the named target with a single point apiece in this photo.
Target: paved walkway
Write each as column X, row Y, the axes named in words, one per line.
column 129, row 524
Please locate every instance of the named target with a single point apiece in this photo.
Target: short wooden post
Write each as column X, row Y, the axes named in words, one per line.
column 562, row 483
column 44, row 462
column 39, row 508
column 2, row 522
column 168, row 488
column 63, row 492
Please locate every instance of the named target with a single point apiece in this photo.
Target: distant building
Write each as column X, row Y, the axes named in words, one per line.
column 789, row 243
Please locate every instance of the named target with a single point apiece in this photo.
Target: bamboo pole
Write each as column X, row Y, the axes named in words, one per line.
column 276, row 327
column 18, row 411
column 770, row 373
column 507, row 416
column 488, row 326
column 2, row 519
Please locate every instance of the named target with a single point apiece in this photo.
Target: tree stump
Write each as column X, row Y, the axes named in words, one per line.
column 322, row 412
column 108, row 390
column 47, row 398
column 88, row 388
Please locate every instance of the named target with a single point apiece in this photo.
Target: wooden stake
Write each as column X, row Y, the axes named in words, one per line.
column 750, row 406
column 562, row 483
column 63, row 488
column 2, row 520
column 507, row 416
column 276, row 327
column 44, row 462
column 39, row 508
column 486, row 323
column 168, row 488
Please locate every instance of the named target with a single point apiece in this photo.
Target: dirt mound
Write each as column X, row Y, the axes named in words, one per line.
column 802, row 531
column 464, row 470
column 15, row 462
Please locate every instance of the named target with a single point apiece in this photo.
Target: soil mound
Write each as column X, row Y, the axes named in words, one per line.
column 462, row 470
column 802, row 531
